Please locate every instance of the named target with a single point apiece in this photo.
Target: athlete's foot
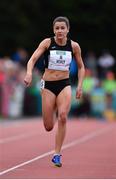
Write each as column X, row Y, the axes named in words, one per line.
column 57, row 160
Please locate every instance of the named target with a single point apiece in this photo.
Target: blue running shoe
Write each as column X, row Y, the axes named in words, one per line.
column 56, row 160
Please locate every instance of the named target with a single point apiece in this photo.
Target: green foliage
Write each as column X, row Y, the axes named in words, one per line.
column 25, row 23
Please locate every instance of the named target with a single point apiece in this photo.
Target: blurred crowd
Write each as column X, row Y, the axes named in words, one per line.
column 99, row 88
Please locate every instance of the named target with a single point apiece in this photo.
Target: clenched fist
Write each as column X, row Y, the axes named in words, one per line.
column 78, row 93
column 28, row 79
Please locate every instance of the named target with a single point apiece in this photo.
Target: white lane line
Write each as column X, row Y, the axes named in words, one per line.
column 7, row 124
column 17, row 137
column 71, row 144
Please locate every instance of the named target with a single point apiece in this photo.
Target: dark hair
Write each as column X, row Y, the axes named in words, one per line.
column 62, row 19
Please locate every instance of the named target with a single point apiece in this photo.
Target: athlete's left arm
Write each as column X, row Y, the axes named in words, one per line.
column 81, row 68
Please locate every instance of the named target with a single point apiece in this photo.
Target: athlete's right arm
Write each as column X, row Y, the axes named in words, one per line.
column 35, row 56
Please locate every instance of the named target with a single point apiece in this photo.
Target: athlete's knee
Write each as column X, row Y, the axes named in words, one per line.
column 63, row 117
column 48, row 127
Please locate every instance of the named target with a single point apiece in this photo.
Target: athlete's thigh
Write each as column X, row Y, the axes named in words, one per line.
column 48, row 104
column 64, row 100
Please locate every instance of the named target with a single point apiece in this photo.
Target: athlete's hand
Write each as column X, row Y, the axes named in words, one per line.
column 78, row 92
column 28, row 79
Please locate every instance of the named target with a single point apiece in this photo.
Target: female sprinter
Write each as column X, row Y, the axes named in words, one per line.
column 55, row 84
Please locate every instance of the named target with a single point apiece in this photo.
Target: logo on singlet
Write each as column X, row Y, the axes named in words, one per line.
column 53, row 47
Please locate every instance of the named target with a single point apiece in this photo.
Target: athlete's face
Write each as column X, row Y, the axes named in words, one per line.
column 60, row 30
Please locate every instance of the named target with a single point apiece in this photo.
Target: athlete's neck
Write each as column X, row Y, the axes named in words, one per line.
column 61, row 42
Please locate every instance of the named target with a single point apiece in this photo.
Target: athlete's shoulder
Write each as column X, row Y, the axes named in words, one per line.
column 45, row 42
column 75, row 46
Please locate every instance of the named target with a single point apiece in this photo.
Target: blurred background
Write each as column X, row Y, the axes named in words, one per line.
column 23, row 24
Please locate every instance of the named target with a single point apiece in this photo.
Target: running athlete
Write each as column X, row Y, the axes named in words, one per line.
column 55, row 85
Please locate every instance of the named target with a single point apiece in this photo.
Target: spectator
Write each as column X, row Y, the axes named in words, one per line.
column 109, row 84
column 105, row 63
column 73, row 72
column 91, row 62
column 97, row 99
column 20, row 56
column 89, row 82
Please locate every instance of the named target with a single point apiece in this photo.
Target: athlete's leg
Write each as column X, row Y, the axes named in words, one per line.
column 48, row 107
column 63, row 104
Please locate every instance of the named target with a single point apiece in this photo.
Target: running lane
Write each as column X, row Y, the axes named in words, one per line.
column 88, row 152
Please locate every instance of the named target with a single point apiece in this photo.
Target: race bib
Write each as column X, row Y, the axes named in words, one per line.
column 59, row 60
column 42, row 84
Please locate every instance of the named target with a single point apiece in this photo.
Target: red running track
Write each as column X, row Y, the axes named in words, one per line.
column 89, row 150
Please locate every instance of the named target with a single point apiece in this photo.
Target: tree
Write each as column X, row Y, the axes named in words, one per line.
column 26, row 23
